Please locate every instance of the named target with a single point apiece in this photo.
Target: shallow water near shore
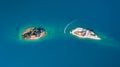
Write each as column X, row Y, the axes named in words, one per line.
column 59, row 44
column 59, row 48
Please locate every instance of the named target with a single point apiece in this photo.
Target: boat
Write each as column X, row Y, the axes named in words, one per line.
column 84, row 33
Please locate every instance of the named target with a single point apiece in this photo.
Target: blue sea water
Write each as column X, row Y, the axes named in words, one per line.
column 59, row 49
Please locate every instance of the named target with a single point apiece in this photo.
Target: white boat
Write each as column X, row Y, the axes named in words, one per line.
column 84, row 33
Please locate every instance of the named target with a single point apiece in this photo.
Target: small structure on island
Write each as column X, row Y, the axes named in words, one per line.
column 33, row 33
column 84, row 33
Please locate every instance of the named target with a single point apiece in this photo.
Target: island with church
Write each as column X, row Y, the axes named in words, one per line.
column 84, row 33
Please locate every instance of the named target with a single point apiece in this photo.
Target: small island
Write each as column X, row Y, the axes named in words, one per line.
column 84, row 33
column 33, row 33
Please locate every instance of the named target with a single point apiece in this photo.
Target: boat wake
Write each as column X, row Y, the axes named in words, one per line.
column 69, row 25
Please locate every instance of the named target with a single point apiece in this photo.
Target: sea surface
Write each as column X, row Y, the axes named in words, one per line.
column 59, row 48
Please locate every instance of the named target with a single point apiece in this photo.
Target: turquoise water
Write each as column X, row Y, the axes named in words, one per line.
column 59, row 49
